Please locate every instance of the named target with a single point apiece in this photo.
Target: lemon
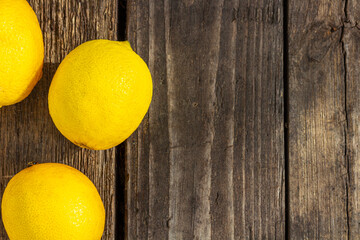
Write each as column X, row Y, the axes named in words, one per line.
column 100, row 93
column 21, row 51
column 54, row 202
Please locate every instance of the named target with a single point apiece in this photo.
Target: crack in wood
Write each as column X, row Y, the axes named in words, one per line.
column 346, row 126
column 286, row 118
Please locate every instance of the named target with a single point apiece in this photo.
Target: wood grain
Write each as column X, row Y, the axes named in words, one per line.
column 318, row 155
column 208, row 160
column 26, row 130
column 351, row 46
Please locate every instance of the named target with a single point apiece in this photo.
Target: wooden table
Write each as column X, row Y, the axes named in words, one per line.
column 253, row 131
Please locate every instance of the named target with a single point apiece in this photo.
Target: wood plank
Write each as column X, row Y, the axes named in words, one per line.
column 351, row 46
column 318, row 179
column 208, row 160
column 26, row 130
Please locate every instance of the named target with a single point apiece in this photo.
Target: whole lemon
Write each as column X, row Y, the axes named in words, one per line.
column 52, row 201
column 21, row 51
column 100, row 93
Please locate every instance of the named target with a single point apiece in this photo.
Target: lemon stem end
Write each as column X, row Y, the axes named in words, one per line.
column 30, row 164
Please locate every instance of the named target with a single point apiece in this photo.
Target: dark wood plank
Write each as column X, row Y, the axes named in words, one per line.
column 208, row 160
column 318, row 179
column 351, row 46
column 26, row 130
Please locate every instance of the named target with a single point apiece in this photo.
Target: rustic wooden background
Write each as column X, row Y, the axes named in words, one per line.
column 253, row 128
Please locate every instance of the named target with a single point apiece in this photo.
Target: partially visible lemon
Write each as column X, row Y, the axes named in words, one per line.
column 52, row 201
column 100, row 93
column 21, row 51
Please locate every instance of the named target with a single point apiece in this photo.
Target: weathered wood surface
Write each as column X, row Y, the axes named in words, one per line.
column 351, row 51
column 26, row 130
column 208, row 160
column 320, row 128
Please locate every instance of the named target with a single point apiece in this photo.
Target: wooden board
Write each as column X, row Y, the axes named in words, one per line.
column 26, row 130
column 318, row 121
column 208, row 160
column 351, row 46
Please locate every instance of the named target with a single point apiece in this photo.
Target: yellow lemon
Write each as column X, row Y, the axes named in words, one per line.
column 52, row 201
column 100, row 93
column 21, row 51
